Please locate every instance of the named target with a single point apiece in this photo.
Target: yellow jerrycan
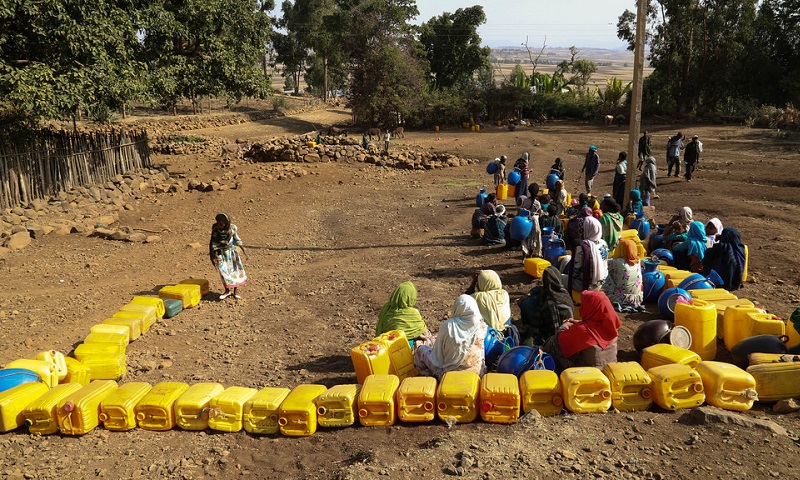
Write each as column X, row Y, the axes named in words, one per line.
column 736, row 324
column 762, row 358
column 46, row 370
column 146, row 313
column 94, row 349
column 79, row 412
column 134, row 325
column 700, row 318
column 631, row 386
column 775, row 381
column 226, row 410
column 192, row 408
column 376, row 400
column 370, row 358
column 499, row 398
column 77, row 372
column 502, row 191
column 189, row 295
column 586, row 390
column 712, row 294
column 297, row 415
column 338, row 406
column 13, row 402
column 676, row 386
column 151, row 301
column 541, row 391
column 120, row 340
column 204, row 284
column 55, row 358
column 535, row 267
column 107, row 328
column 117, row 410
column 401, row 360
column 416, row 399
column 261, row 411
column 156, row 410
column 457, row 397
column 723, row 305
column 40, row 415
column 766, row 324
column 727, row 386
column 665, row 354
column 793, row 334
column 106, row 367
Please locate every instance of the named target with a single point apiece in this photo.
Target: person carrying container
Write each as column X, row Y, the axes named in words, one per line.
column 225, row 256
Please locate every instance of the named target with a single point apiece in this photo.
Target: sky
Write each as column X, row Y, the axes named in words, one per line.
column 583, row 23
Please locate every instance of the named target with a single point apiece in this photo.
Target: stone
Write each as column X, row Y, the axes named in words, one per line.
column 18, row 229
column 4, row 251
column 102, row 232
column 79, row 228
column 705, row 415
column 311, row 158
column 196, row 246
column 107, row 220
column 786, row 406
column 152, row 239
column 137, row 237
column 119, row 236
column 18, row 241
column 62, row 229
column 161, row 188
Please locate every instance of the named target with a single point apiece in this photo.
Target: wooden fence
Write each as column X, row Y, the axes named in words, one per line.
column 58, row 161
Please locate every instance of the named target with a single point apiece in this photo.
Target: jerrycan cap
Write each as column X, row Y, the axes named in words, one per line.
column 69, row 407
column 486, row 406
column 428, row 406
column 558, row 401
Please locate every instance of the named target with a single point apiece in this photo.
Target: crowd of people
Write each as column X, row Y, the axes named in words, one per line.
column 574, row 313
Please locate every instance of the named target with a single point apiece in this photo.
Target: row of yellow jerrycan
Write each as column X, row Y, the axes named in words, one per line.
column 388, row 353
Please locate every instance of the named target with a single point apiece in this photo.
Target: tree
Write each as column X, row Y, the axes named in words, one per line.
column 613, row 94
column 452, row 45
column 576, row 72
column 773, row 67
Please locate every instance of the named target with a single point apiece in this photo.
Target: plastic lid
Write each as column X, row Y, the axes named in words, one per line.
column 680, row 336
column 363, row 412
column 558, row 401
column 647, row 393
column 606, row 394
column 322, row 410
column 69, row 406
column 486, row 406
column 698, row 387
column 282, row 421
column 442, row 406
column 103, row 417
column 428, row 406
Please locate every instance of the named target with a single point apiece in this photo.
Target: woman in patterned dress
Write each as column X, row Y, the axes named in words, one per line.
column 225, row 256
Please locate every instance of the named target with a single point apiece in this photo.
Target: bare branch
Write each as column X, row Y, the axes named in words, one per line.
column 535, row 62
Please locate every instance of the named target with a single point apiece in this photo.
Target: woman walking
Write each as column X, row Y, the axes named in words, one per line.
column 225, row 256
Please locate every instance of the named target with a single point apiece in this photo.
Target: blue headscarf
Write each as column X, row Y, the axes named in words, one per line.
column 636, row 201
column 697, row 240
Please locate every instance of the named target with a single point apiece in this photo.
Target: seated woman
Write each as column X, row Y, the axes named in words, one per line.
column 611, row 222
column 494, row 227
column 677, row 228
column 689, row 254
column 558, row 168
column 727, row 259
column 459, row 344
column 552, row 220
column 713, row 229
column 493, row 300
column 573, row 235
column 591, row 342
column 480, row 215
column 530, row 202
column 559, row 195
column 589, row 265
column 544, row 309
column 623, row 286
column 635, row 204
column 399, row 313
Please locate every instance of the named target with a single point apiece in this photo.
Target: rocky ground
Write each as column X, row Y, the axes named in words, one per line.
column 327, row 243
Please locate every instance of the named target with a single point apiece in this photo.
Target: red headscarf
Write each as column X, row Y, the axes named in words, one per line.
column 599, row 326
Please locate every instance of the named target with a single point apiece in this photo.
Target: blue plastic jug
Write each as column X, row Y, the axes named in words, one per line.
column 519, row 360
column 668, row 299
column 12, row 377
column 653, row 283
column 641, row 225
column 555, row 249
column 551, row 180
column 480, row 198
column 491, row 168
column 513, row 177
column 521, row 225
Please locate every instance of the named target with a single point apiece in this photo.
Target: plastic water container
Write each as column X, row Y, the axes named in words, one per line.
column 205, row 286
column 514, row 177
column 261, row 411
column 535, row 266
column 119, row 340
column 46, row 370
column 668, row 299
column 641, row 225
column 172, row 307
column 13, row 402
column 12, row 377
column 56, row 359
column 554, row 250
column 520, row 359
column 502, row 191
column 775, row 381
column 480, row 198
column 107, row 328
column 376, row 401
column 696, row 281
column 297, row 415
column 727, row 386
column 150, row 301
column 192, row 408
column 132, row 310
column 712, row 294
column 521, row 225
column 457, row 397
column 631, row 386
column 676, row 386
column 499, row 398
column 491, row 168
column 93, row 349
column 541, row 391
column 721, row 306
column 112, row 366
column 653, row 284
column 765, row 324
column 226, row 410
column 416, row 399
column 666, row 354
column 77, row 372
column 40, row 415
column 736, row 324
column 189, row 295
column 401, row 359
column 134, row 325
column 117, row 410
column 370, row 358
column 550, row 180
column 757, row 358
column 586, row 390
column 156, row 410
column 700, row 318
column 338, row 406
column 675, row 277
column 79, row 412
column 511, row 191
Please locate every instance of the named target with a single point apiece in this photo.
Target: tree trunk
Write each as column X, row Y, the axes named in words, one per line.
column 325, row 78
column 124, row 111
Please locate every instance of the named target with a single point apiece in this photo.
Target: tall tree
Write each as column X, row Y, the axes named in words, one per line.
column 774, row 63
column 453, row 47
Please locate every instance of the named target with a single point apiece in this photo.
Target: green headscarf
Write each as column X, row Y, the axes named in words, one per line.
column 612, row 225
column 399, row 313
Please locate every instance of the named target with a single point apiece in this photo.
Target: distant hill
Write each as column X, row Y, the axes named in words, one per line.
column 553, row 56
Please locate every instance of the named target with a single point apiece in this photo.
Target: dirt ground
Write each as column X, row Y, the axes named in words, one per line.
column 325, row 252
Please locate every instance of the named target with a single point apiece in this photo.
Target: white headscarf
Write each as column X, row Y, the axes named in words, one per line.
column 492, row 300
column 712, row 239
column 685, row 216
column 457, row 334
column 592, row 233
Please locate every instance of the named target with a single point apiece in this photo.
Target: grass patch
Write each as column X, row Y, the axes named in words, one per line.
column 186, row 139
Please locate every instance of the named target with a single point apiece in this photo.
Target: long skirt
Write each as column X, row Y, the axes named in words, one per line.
column 231, row 269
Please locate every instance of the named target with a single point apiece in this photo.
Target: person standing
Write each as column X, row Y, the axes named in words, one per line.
column 225, row 256
column 620, row 174
column 644, row 149
column 386, row 137
column 522, row 165
column 591, row 167
column 674, row 147
column 500, row 173
column 691, row 156
column 647, row 181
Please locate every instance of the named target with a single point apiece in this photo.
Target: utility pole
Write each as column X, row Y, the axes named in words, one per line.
column 636, row 97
